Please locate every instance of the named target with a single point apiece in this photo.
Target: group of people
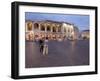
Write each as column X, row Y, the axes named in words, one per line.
column 43, row 43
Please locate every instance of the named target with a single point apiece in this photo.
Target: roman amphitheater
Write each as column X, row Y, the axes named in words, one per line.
column 54, row 30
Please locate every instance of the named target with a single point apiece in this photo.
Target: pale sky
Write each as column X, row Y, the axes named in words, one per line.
column 81, row 21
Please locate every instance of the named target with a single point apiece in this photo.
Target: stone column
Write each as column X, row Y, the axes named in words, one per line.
column 51, row 27
column 56, row 28
column 39, row 27
column 51, row 30
column 45, row 28
column 25, row 26
column 32, row 26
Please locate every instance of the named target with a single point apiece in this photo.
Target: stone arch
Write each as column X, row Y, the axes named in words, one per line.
column 42, row 27
column 59, row 28
column 29, row 26
column 54, row 29
column 48, row 28
column 36, row 26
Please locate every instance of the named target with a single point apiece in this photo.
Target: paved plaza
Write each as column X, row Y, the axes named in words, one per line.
column 64, row 53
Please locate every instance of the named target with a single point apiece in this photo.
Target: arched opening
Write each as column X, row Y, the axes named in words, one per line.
column 48, row 28
column 29, row 26
column 42, row 28
column 59, row 29
column 36, row 25
column 54, row 29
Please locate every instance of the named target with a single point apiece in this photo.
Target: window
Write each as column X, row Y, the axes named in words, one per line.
column 64, row 29
column 42, row 28
column 68, row 29
column 59, row 29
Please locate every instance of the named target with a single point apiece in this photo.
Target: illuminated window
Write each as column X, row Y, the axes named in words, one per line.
column 29, row 26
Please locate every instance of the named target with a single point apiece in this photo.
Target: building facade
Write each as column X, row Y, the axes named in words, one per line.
column 35, row 30
column 85, row 34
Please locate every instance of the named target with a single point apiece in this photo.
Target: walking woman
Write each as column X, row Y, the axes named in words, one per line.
column 45, row 49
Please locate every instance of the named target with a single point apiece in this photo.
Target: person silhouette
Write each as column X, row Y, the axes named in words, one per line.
column 45, row 49
column 41, row 43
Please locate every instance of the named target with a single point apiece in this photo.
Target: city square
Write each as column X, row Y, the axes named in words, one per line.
column 63, row 53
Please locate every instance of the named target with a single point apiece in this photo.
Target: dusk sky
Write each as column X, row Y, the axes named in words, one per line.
column 81, row 21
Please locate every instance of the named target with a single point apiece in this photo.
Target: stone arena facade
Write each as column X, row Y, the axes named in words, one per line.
column 54, row 30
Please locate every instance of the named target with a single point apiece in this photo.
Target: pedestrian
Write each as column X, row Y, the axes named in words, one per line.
column 45, row 49
column 41, row 44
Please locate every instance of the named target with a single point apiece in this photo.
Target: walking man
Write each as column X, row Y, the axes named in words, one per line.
column 41, row 43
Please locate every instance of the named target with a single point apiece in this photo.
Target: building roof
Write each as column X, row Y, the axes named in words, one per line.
column 60, row 22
